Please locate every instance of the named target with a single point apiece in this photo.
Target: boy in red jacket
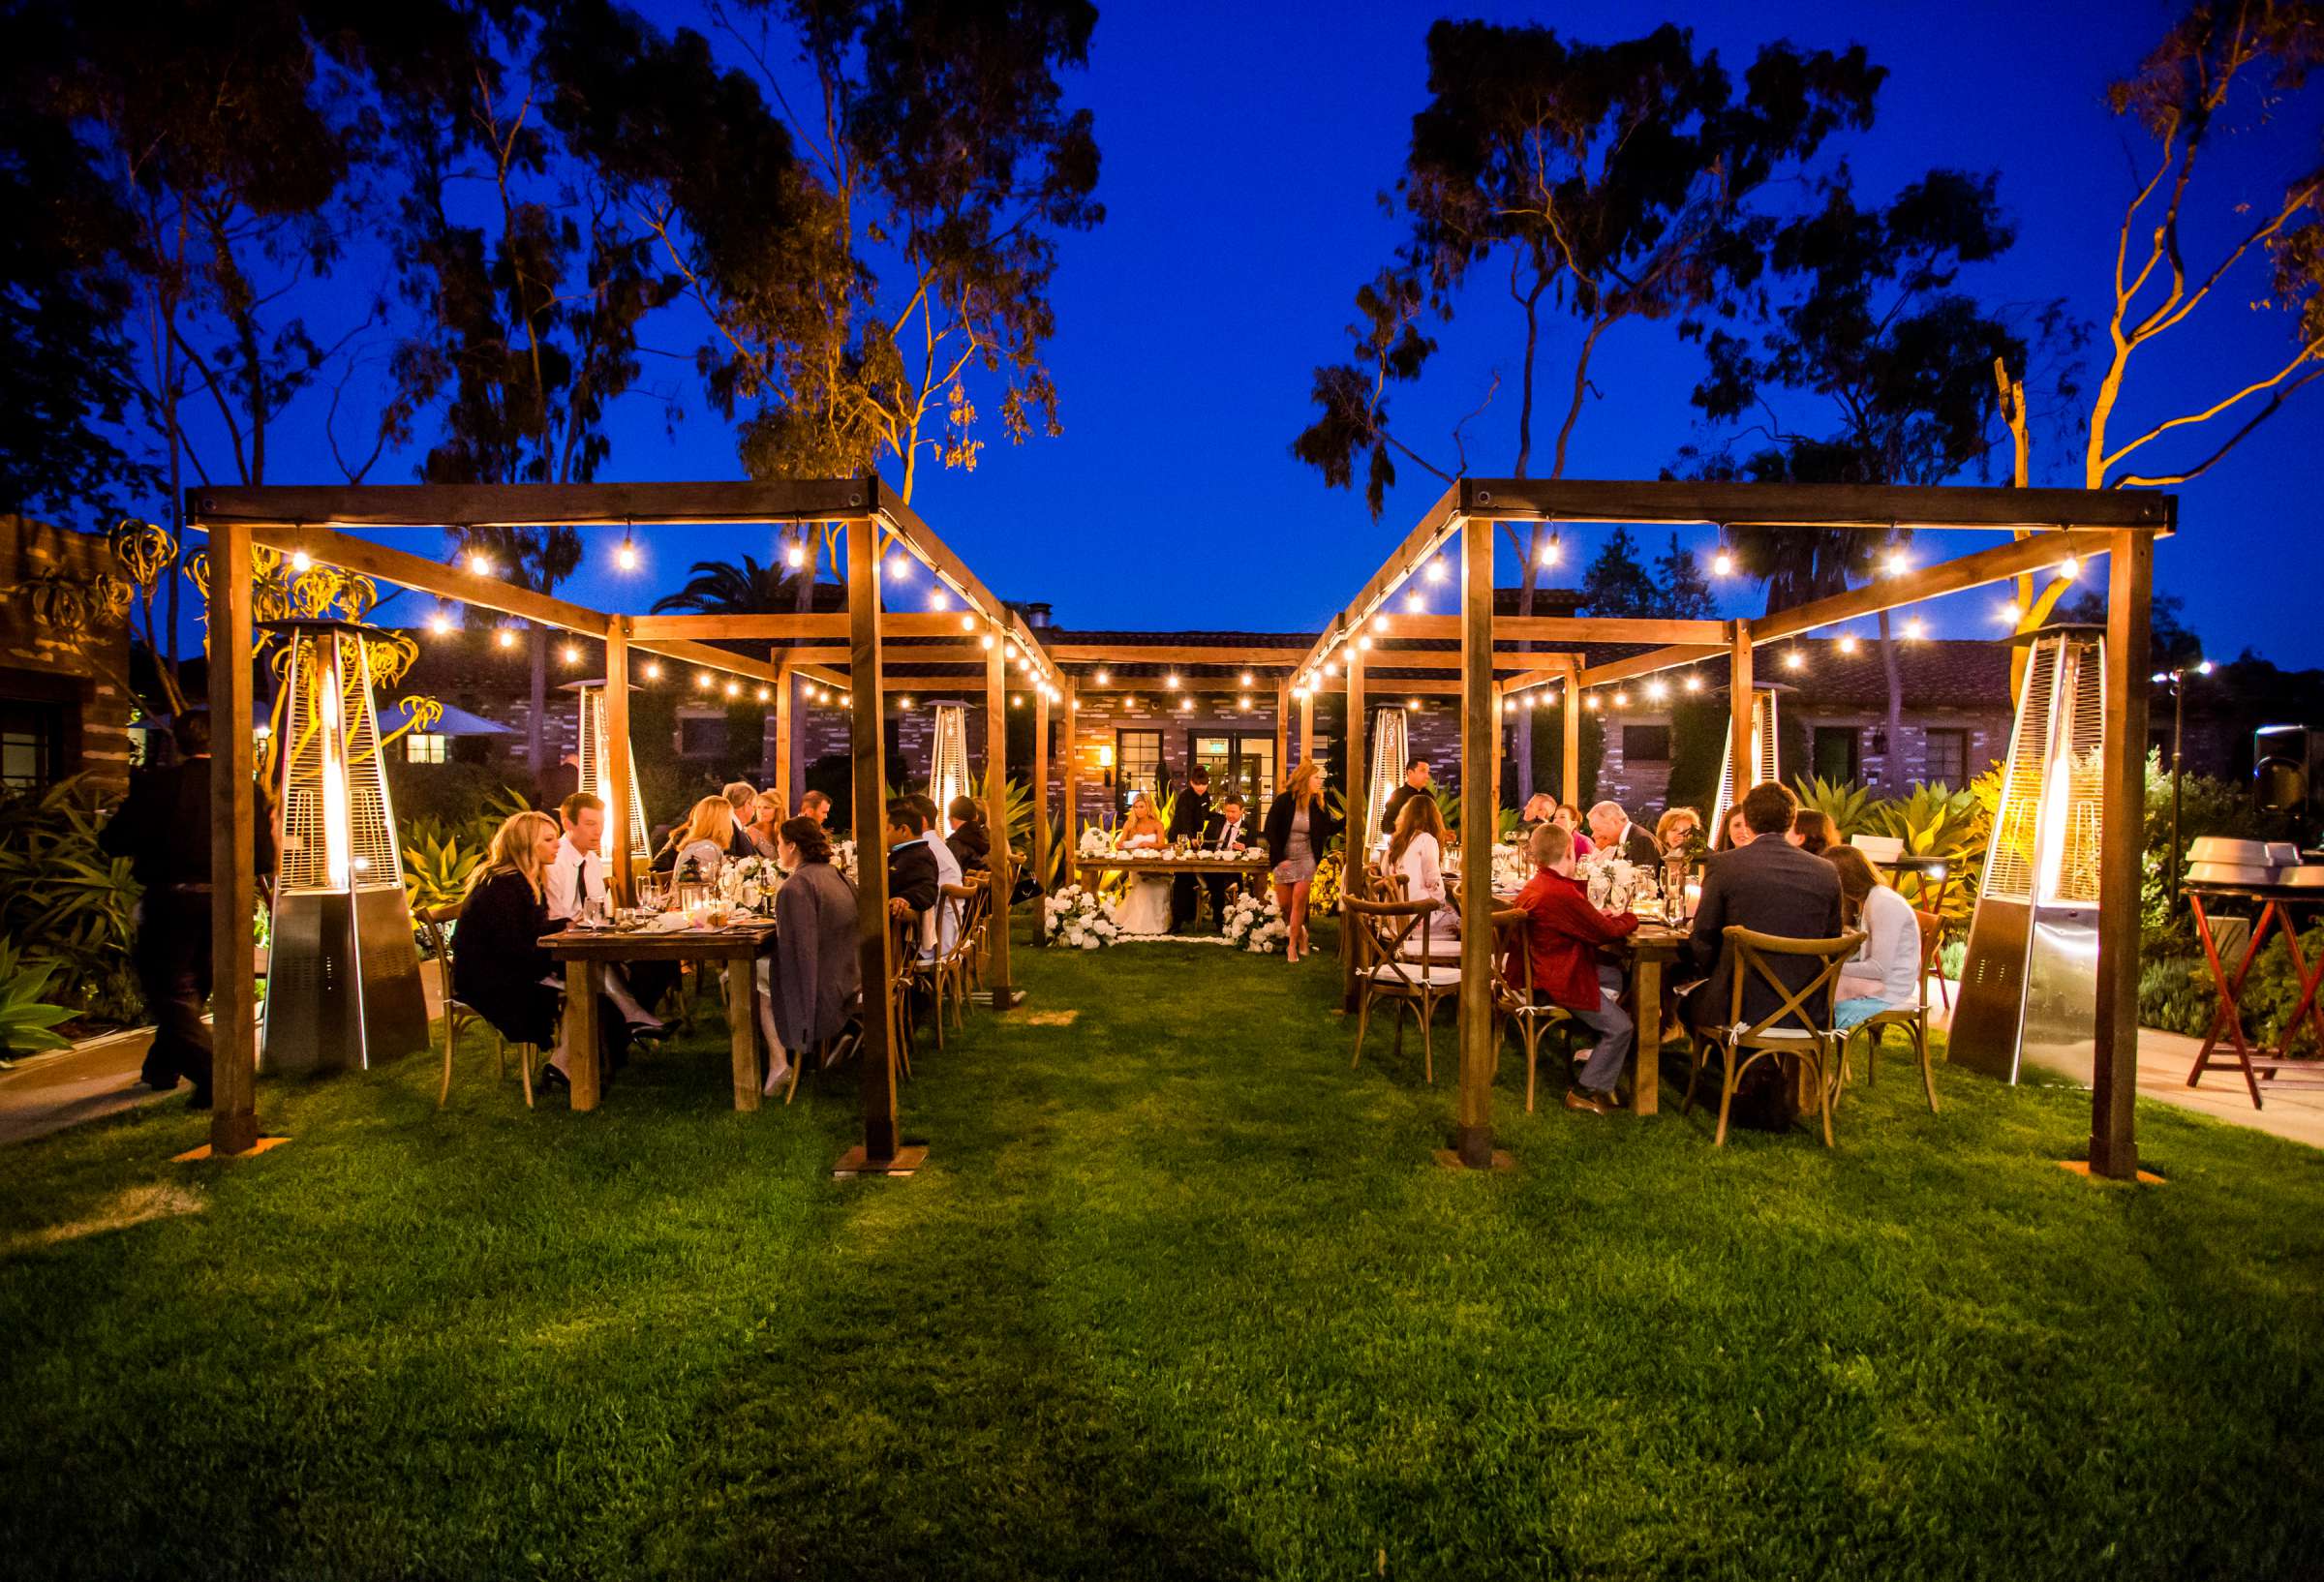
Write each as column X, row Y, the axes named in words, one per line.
column 1563, row 931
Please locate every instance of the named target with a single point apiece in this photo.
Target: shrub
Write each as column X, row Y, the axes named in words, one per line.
column 26, row 1021
column 66, row 903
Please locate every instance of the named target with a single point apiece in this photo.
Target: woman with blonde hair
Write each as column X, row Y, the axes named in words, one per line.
column 1417, row 851
column 1146, row 909
column 497, row 963
column 1299, row 829
column 704, row 838
column 765, row 818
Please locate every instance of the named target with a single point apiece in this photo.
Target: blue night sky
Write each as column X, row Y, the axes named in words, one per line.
column 1243, row 147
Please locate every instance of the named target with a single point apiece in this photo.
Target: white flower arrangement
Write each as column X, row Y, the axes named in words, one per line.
column 842, row 858
column 1079, row 920
column 1615, row 883
column 1256, row 923
column 1512, row 868
column 748, row 881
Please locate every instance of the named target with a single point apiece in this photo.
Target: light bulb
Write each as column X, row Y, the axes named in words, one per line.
column 1411, row 703
column 734, row 689
column 1592, row 702
column 1916, row 627
column 1242, row 702
column 441, row 626
column 2007, row 612
column 505, row 637
column 1657, row 690
column 1330, row 667
column 480, row 565
column 1622, row 699
column 1723, row 564
column 988, row 642
column 1793, row 659
column 1246, row 680
column 1104, row 675
column 847, row 700
column 1380, row 623
column 300, row 560
column 794, row 557
column 572, row 653
column 904, row 703
column 1848, row 644
column 1435, row 572
column 1363, row 645
column 1171, row 680
column 1553, row 552
column 898, row 567
column 1414, row 602
column 939, row 600
column 624, row 556
column 2205, row 668
column 652, row 670
column 765, row 692
column 1897, row 563
column 1016, row 701
column 1694, row 684
column 2070, row 567
column 701, row 679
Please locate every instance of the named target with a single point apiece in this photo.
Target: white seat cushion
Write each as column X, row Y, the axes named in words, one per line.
column 1742, row 1027
column 1439, row 950
column 1415, row 974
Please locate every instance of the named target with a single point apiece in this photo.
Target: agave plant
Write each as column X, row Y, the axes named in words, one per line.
column 1937, row 821
column 66, row 901
column 437, row 869
column 26, row 1019
column 1843, row 804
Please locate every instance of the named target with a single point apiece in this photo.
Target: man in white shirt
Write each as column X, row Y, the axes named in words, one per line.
column 577, row 874
column 947, row 914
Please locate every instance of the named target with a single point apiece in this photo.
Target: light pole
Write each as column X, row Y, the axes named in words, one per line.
column 2176, row 680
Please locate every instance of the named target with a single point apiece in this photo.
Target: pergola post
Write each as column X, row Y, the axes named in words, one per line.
column 2123, row 799
column 1282, row 736
column 878, row 1149
column 1352, row 873
column 1308, row 724
column 785, row 684
column 1479, row 762
column 1570, row 732
column 621, row 761
column 1738, row 724
column 996, row 798
column 1040, row 853
column 1499, row 715
column 234, row 813
column 1072, row 765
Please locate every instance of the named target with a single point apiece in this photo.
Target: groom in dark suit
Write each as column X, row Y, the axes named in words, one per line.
column 1771, row 887
column 1225, row 830
column 1188, row 816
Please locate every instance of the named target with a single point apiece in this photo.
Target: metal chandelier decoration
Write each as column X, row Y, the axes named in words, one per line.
column 343, row 988
column 2028, row 985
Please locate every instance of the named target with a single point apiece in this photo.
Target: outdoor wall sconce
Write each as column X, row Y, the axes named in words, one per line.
column 2028, row 985
column 343, row 987
column 597, row 771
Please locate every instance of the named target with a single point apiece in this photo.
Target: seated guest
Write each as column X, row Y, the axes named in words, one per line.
column 817, row 968
column 1229, row 833
column 1540, row 808
column 1610, row 829
column 817, row 807
column 1563, row 932
column 1678, row 833
column 703, row 839
column 1811, row 831
column 739, row 795
column 1416, row 852
column 970, row 842
column 765, row 815
column 1415, row 785
column 497, row 963
column 1735, row 832
column 1568, row 818
column 575, row 878
column 1771, row 887
column 919, row 866
column 1884, row 974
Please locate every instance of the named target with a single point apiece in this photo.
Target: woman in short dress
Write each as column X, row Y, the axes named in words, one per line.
column 1146, row 909
column 1299, row 829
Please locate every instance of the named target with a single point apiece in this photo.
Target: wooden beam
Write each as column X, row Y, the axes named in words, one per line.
column 1651, row 661
column 620, row 755
column 1308, row 725
column 997, row 800
column 1073, row 770
column 1570, row 728
column 903, row 522
column 1999, row 563
column 234, row 811
column 1041, row 761
column 2122, row 833
column 384, row 564
column 787, row 686
column 1547, row 628
column 1877, row 507
column 433, row 505
column 1480, row 755
column 1282, row 740
column 1738, row 725
column 871, row 797
column 1351, row 862
column 702, row 656
column 1285, row 659
column 1436, row 524
column 795, row 630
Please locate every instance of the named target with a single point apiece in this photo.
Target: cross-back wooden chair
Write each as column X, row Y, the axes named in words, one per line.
column 1798, row 1028
column 1513, row 989
column 979, row 925
column 458, row 1015
column 1381, row 929
column 953, row 971
column 1912, row 1018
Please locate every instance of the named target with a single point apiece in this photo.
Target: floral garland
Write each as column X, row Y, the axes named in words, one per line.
column 1079, row 920
column 1256, row 923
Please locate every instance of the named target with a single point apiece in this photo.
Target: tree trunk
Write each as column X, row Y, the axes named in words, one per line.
column 536, row 738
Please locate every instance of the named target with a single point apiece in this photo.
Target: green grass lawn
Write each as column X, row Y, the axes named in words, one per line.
column 1177, row 1295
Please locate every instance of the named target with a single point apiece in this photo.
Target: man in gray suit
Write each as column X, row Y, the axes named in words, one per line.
column 1771, row 887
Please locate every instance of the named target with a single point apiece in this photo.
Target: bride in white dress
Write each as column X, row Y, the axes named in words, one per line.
column 1146, row 909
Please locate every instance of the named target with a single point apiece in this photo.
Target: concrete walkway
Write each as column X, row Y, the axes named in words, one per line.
column 47, row 1093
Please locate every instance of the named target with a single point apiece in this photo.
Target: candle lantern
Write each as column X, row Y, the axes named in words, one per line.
column 598, row 767
column 2028, row 985
column 343, row 986
column 948, row 757
column 1760, row 754
column 1390, row 754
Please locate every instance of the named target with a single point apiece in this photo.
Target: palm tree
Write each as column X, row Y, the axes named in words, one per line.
column 723, row 588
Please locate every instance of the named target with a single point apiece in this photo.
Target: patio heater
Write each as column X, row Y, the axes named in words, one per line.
column 597, row 772
column 1390, row 754
column 2028, row 985
column 1761, row 752
column 343, row 988
column 948, row 757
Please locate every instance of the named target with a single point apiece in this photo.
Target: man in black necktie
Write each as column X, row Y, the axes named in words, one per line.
column 1415, row 785
column 1228, row 833
column 1188, row 816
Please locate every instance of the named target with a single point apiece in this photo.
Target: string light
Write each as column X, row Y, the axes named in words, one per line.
column 300, row 560
column 1694, row 683
column 1622, row 698
column 898, row 567
column 1847, row 643
column 1553, row 552
column 1897, row 563
column 734, row 689
column 625, row 554
column 701, row 680
column 939, row 599
column 652, row 670
column 1171, row 680
column 1301, row 693
column 1435, row 572
column 572, row 653
column 505, row 637
column 988, row 642
column 1244, row 703
column 1591, row 702
column 1657, row 690
column 1104, row 675
column 2009, row 611
column 1330, row 667
column 1915, row 628
column 1793, row 660
column 1129, row 703
column 1414, row 602
column 847, row 700
column 1016, row 700
column 1363, row 644
column 2070, row 567
column 480, row 565
column 765, row 693
column 441, row 624
column 1246, row 680
column 903, row 703
column 1380, row 622
column 1411, row 703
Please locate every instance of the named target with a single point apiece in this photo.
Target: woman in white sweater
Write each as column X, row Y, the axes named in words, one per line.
column 1884, row 975
column 1417, row 851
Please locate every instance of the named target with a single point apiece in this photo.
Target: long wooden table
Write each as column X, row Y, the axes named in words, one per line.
column 1090, row 869
column 1655, row 946
column 586, row 954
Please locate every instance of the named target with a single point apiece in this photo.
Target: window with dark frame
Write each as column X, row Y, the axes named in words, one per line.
column 701, row 735
column 1835, row 755
column 1244, row 760
column 1137, row 766
column 31, row 746
column 1946, row 758
column 1646, row 744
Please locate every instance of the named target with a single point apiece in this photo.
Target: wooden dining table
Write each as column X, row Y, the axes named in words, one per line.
column 1654, row 947
column 1090, row 869
column 588, row 951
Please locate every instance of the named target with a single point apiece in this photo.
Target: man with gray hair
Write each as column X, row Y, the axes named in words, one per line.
column 1612, row 830
column 740, row 795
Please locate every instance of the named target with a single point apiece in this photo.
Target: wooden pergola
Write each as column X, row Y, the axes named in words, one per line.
column 2045, row 527
column 975, row 633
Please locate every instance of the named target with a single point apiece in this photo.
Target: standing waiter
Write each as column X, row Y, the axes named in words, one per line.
column 164, row 830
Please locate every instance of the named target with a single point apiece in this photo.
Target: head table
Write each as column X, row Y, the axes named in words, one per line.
column 587, row 952
column 1249, row 866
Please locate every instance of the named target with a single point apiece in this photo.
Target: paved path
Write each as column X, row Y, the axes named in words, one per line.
column 49, row 1092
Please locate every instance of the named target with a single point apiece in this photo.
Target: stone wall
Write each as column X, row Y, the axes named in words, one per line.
column 64, row 661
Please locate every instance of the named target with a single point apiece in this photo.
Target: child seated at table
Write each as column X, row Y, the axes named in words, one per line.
column 1563, row 932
